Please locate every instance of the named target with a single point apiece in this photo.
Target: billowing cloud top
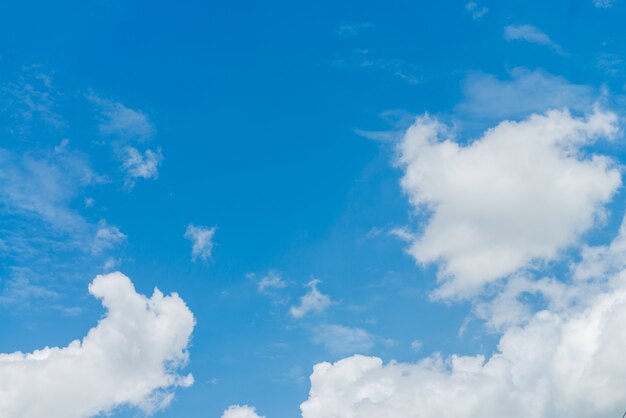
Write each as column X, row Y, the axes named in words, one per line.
column 520, row 193
column 129, row 358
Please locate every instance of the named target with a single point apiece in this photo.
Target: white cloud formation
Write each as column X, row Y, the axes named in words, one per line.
column 338, row 339
column 107, row 237
column 312, row 302
column 130, row 358
column 141, row 166
column 239, row 411
column 564, row 362
column 526, row 92
column 532, row 34
column 520, row 193
column 201, row 238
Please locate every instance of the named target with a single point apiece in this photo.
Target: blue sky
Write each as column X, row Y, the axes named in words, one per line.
column 131, row 128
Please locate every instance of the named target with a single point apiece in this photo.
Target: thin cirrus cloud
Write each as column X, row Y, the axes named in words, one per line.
column 131, row 357
column 521, row 193
column 532, row 34
column 341, row 340
column 475, row 10
column 487, row 97
column 312, row 302
column 201, row 238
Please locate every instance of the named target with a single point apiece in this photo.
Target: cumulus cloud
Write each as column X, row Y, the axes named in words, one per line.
column 338, row 339
column 238, row 411
column 560, row 363
column 520, row 193
column 524, row 92
column 313, row 302
column 201, row 238
column 130, row 357
column 137, row 165
column 532, row 34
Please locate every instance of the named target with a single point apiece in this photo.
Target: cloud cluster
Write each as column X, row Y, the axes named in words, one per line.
column 519, row 194
column 561, row 363
column 532, row 34
column 130, row 358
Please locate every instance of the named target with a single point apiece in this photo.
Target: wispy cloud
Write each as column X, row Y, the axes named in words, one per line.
column 313, row 302
column 351, row 29
column 201, row 238
column 341, row 340
column 603, row 4
column 120, row 121
column 139, row 165
column 475, row 10
column 532, row 34
column 365, row 59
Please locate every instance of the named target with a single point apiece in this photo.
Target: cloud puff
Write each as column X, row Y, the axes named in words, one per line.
column 561, row 363
column 522, row 192
column 530, row 33
column 129, row 358
column 201, row 238
column 238, row 411
column 141, row 166
column 313, row 302
column 338, row 339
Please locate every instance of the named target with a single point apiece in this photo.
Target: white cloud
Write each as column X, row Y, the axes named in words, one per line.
column 560, row 363
column 338, row 339
column 416, row 345
column 201, row 238
column 107, row 237
column 526, row 92
column 603, row 4
column 530, row 34
column 130, row 358
column 475, row 10
column 350, row 29
column 520, row 193
column 273, row 280
column 122, row 122
column 141, row 166
column 313, row 302
column 238, row 411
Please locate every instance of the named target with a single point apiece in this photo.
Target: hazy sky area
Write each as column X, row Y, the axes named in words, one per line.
column 322, row 209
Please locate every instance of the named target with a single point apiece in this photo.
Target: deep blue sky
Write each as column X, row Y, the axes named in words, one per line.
column 257, row 108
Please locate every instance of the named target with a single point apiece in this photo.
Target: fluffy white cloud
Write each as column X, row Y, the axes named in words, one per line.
column 520, row 193
column 561, row 363
column 313, row 302
column 238, row 411
column 338, row 339
column 530, row 33
column 130, row 358
column 201, row 241
column 141, row 166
